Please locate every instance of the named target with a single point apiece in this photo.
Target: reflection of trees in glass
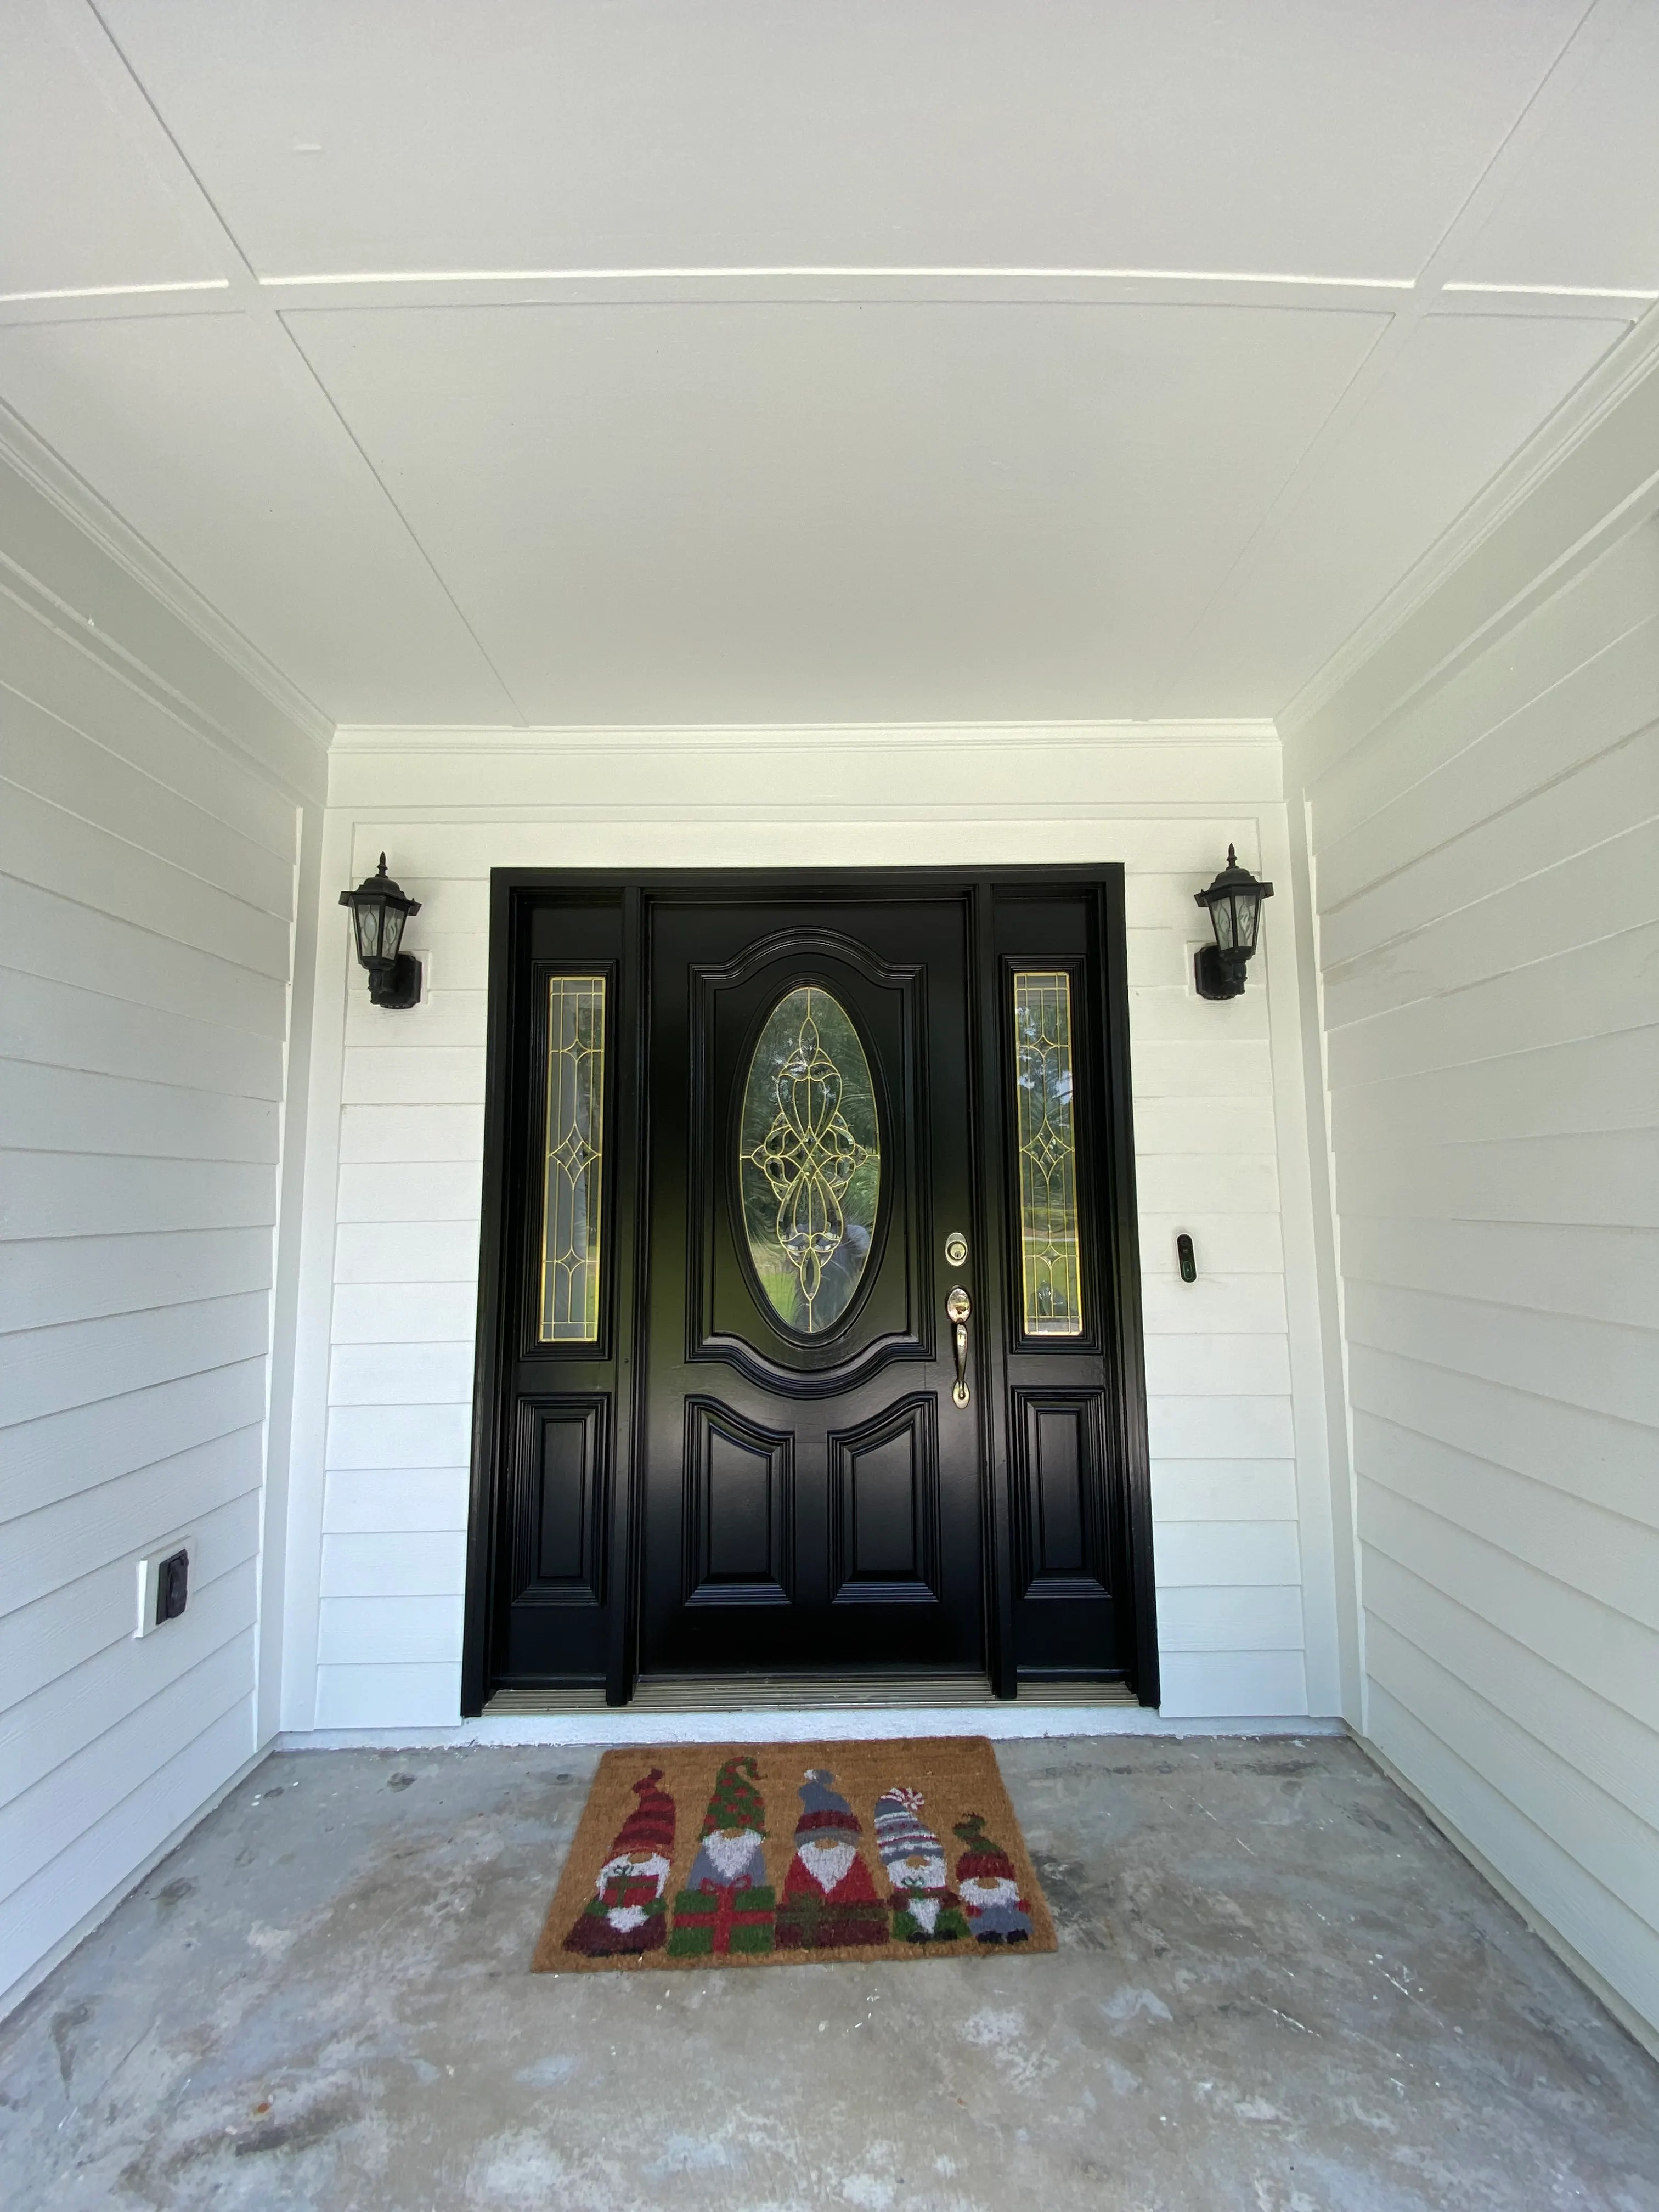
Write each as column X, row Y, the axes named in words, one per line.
column 1046, row 1136
column 809, row 1159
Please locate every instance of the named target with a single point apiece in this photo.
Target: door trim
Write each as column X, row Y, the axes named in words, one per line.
column 1118, row 1241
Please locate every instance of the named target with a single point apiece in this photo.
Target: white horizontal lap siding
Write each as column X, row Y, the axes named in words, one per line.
column 389, row 1524
column 147, row 887
column 1486, row 862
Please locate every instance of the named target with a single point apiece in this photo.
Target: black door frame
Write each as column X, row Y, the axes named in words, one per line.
column 1118, row 1243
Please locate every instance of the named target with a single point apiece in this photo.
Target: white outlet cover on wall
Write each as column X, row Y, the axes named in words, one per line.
column 149, row 1568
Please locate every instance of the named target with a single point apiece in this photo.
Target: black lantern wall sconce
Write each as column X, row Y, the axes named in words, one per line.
column 1234, row 900
column 379, row 911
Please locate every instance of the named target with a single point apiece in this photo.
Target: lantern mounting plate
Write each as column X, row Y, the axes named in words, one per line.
column 397, row 987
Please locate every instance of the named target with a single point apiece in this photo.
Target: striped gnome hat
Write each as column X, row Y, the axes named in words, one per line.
column 982, row 1858
column 736, row 1802
column 650, row 1825
column 824, row 1811
column 900, row 1832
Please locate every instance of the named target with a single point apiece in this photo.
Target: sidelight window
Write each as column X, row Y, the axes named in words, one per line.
column 574, row 1163
column 808, row 1160
column 1047, row 1139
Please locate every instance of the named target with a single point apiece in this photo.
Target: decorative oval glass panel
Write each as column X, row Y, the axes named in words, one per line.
column 808, row 1160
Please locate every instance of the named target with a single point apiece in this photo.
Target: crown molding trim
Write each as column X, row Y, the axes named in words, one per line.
column 760, row 737
column 1609, row 386
column 55, row 481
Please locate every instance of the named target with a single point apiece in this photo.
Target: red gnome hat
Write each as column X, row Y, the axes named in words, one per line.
column 650, row 1825
column 982, row 1859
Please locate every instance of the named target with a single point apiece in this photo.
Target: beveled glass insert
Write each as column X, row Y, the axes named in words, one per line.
column 574, row 1165
column 808, row 1160
column 1047, row 1137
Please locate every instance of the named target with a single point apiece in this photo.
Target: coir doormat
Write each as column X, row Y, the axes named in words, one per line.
column 753, row 1854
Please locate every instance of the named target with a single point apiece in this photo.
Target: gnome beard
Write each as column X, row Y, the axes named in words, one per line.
column 628, row 1887
column 730, row 1858
column 826, row 1863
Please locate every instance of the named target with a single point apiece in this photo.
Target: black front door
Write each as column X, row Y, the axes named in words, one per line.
column 809, row 1305
column 811, row 1474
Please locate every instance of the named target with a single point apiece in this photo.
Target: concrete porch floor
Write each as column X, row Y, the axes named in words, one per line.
column 1278, row 1990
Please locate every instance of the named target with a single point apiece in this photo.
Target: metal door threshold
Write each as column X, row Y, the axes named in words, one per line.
column 737, row 1694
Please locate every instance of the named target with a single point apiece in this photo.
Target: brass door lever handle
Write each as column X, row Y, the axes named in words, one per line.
column 958, row 1306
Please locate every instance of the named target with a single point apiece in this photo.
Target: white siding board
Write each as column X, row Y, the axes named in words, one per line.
column 1227, row 1490
column 380, row 1696
column 1230, row 1617
column 399, row 1251
column 405, row 1314
column 400, row 1076
column 383, row 1630
column 372, row 1501
column 67, row 1279
column 67, row 1453
column 58, row 1109
column 41, row 754
column 1586, row 991
column 42, row 844
column 397, row 1132
column 1592, row 1084
column 63, row 941
column 399, row 1435
column 401, row 1374
column 1601, row 1274
column 1215, row 1305
column 1597, row 894
column 409, row 1563
column 1244, row 1685
column 1211, row 1554
column 1212, row 1366
column 1607, row 1462
column 1524, row 846
column 62, row 1541
column 51, row 1370
column 1220, row 1428
column 1599, row 1365
column 1606, row 1178
column 1595, row 707
column 1527, row 669
column 423, row 1191
column 64, row 1026
column 1602, row 1743
column 1228, row 1243
column 88, row 1195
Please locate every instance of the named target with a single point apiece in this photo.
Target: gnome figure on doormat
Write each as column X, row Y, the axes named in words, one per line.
column 996, row 1912
column 830, row 1902
column 626, row 1912
column 925, row 1909
column 726, row 1904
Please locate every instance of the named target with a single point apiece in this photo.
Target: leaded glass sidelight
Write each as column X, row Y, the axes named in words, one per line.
column 808, row 1160
column 1047, row 1138
column 574, row 1162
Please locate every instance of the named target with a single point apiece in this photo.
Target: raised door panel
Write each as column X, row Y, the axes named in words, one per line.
column 739, row 1498
column 883, row 1507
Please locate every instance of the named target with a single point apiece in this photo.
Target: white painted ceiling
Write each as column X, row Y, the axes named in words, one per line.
column 609, row 361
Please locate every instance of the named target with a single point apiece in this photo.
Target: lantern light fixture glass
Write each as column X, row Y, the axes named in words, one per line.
column 379, row 911
column 1234, row 904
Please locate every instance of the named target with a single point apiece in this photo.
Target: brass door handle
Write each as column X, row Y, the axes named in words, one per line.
column 958, row 1306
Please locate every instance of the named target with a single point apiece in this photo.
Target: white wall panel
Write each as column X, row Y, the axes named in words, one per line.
column 1481, row 803
column 391, row 1329
column 148, row 842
